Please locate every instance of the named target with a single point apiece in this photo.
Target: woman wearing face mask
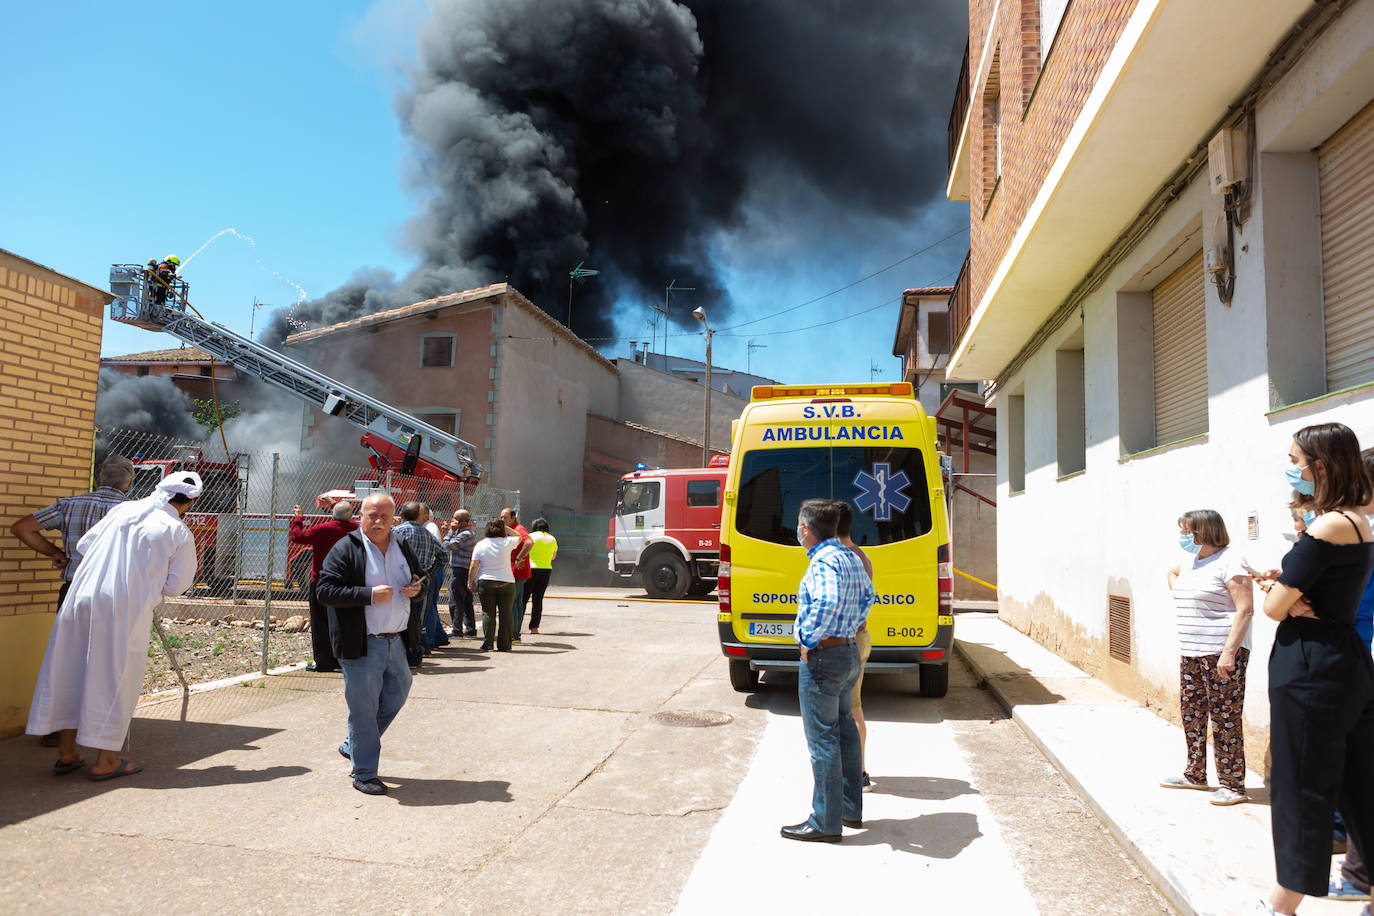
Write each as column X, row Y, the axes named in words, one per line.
column 1214, row 598
column 1321, row 677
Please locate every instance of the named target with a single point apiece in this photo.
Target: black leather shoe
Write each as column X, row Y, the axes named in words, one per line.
column 373, row 786
column 807, row 834
column 344, row 754
column 852, row 821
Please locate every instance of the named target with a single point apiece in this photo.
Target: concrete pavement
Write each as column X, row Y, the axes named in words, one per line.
column 535, row 781
column 1205, row 859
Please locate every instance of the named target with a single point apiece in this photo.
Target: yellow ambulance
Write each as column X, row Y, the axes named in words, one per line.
column 873, row 446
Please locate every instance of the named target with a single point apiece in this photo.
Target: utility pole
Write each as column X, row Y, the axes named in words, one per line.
column 699, row 315
column 749, row 356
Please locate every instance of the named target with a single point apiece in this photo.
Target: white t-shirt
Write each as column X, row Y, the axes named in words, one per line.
column 1204, row 604
column 493, row 558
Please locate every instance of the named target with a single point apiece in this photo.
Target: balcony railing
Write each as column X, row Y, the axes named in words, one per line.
column 960, row 110
column 959, row 309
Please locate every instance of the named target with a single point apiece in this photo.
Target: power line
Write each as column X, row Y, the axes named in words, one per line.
column 850, row 285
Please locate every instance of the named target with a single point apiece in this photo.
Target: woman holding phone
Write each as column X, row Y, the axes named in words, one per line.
column 1321, row 676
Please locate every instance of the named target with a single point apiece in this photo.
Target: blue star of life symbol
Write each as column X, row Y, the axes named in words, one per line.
column 882, row 492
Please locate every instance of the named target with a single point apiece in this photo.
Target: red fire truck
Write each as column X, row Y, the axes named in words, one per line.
column 666, row 529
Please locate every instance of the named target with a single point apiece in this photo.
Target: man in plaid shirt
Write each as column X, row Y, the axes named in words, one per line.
column 432, row 556
column 833, row 600
column 73, row 516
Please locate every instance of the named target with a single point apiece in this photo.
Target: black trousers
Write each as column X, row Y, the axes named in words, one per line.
column 534, row 594
column 460, row 608
column 1321, row 701
column 319, row 635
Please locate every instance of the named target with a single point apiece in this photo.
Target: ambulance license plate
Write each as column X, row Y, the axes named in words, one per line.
column 770, row 628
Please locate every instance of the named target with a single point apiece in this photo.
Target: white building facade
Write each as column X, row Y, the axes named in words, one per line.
column 1156, row 342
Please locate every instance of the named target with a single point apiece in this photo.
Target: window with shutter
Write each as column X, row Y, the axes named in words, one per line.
column 1179, row 329
column 1345, row 174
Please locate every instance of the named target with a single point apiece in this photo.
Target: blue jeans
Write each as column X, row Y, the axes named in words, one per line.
column 518, row 620
column 434, row 634
column 825, row 686
column 375, row 689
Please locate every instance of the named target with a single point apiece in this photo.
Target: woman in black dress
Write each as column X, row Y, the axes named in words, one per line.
column 1321, row 676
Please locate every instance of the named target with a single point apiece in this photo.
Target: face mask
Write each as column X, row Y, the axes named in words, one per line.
column 1187, row 543
column 1308, row 518
column 801, row 535
column 1296, row 481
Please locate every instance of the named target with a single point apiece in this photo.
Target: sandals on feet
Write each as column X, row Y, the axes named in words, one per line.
column 62, row 769
column 122, row 770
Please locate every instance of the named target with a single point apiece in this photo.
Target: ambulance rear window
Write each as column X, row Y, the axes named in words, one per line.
column 886, row 487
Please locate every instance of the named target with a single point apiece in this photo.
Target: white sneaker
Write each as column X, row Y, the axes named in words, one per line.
column 1181, row 782
column 1262, row 908
column 1225, row 796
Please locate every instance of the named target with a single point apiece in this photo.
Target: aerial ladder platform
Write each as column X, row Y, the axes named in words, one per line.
column 396, row 440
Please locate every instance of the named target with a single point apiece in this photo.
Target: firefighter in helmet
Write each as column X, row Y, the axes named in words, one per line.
column 164, row 274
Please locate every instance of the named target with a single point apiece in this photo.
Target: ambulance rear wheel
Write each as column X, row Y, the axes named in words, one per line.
column 934, row 680
column 666, row 576
column 742, row 677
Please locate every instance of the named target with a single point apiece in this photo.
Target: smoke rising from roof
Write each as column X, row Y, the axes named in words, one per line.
column 145, row 404
column 631, row 134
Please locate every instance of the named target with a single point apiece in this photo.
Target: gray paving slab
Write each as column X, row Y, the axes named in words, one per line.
column 1205, row 859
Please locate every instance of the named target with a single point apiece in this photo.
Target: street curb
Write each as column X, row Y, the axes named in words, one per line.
column 1160, row 878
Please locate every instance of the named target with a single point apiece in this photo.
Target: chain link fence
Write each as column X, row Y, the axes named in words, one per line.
column 248, row 569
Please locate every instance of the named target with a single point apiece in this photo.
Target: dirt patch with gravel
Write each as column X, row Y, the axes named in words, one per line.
column 211, row 651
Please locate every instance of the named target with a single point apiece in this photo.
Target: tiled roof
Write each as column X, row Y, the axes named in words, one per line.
column 173, row 355
column 930, row 291
column 444, row 302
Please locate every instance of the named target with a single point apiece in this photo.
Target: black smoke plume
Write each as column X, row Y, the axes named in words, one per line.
column 143, row 404
column 631, row 133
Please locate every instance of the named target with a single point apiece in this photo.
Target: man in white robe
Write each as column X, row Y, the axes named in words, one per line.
column 92, row 673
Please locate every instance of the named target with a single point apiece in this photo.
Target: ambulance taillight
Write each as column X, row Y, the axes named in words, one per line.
column 945, row 576
column 723, row 582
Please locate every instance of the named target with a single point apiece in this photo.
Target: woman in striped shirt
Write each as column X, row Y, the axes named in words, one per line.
column 1214, row 601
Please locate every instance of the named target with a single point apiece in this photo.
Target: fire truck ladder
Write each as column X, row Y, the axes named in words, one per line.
column 135, row 304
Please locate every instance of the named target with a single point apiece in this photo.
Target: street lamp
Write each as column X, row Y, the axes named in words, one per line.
column 699, row 315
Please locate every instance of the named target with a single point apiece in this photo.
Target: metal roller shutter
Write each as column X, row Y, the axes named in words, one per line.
column 1345, row 166
column 1180, row 354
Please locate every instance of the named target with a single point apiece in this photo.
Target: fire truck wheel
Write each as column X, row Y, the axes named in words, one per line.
column 934, row 681
column 666, row 576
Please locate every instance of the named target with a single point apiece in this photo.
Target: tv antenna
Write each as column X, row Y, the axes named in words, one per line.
column 579, row 274
column 672, row 288
column 748, row 357
column 873, row 370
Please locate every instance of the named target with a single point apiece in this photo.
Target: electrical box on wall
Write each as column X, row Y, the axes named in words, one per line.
column 1227, row 159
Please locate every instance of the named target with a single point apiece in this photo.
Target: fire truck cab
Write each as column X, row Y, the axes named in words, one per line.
column 666, row 529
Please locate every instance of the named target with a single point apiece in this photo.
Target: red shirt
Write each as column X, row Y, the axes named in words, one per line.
column 522, row 567
column 320, row 537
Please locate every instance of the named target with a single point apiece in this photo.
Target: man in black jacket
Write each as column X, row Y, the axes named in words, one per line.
column 367, row 582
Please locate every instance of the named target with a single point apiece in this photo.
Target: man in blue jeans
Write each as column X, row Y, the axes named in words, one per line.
column 367, row 582
column 833, row 600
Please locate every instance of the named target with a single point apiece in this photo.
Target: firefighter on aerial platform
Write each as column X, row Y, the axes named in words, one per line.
column 163, row 275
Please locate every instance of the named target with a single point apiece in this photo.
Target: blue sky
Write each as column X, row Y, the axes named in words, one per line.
column 141, row 129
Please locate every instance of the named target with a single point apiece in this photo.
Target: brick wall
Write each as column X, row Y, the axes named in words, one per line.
column 614, row 448
column 49, row 363
column 1038, row 109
